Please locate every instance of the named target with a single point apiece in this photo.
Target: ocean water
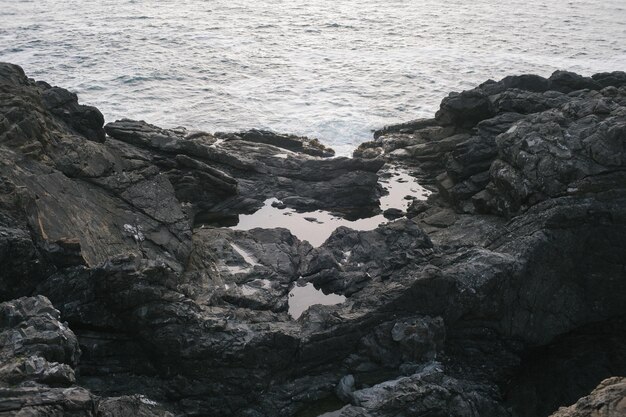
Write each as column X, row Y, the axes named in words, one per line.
column 334, row 70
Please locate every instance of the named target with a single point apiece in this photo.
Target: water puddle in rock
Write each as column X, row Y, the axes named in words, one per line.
column 303, row 297
column 317, row 226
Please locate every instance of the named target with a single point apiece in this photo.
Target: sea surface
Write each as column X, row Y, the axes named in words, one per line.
column 334, row 70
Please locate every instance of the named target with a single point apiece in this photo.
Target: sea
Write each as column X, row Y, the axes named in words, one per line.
column 333, row 70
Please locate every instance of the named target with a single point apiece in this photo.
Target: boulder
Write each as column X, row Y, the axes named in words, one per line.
column 566, row 82
column 464, row 109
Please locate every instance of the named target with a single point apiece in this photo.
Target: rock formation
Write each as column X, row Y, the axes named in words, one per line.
column 502, row 294
column 38, row 357
column 608, row 400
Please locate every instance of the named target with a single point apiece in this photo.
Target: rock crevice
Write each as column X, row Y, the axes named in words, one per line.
column 121, row 294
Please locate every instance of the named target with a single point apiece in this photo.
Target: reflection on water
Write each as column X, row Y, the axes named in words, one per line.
column 317, row 226
column 399, row 185
column 301, row 298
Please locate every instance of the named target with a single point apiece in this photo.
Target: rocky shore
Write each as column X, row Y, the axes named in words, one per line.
column 126, row 289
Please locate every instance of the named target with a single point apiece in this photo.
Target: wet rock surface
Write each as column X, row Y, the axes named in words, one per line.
column 509, row 274
column 38, row 358
column 236, row 173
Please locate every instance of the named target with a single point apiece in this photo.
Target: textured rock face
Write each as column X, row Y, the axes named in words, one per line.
column 236, row 173
column 139, row 193
column 608, row 399
column 547, row 156
column 505, row 146
column 502, row 294
column 290, row 142
column 426, row 392
column 35, row 345
column 38, row 357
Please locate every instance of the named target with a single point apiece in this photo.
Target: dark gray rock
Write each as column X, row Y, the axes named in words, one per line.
column 290, row 142
column 610, row 79
column 428, row 392
column 345, row 388
column 35, row 345
column 479, row 304
column 566, row 81
column 584, row 357
column 38, row 357
column 407, row 127
column 204, row 168
column 393, row 213
column 527, row 82
column 607, row 398
column 526, row 102
column 85, row 120
column 464, row 109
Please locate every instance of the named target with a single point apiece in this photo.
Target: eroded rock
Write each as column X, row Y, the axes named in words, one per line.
column 38, row 357
column 519, row 251
column 608, row 399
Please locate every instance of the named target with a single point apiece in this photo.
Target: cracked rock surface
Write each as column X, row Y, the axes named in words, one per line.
column 502, row 294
